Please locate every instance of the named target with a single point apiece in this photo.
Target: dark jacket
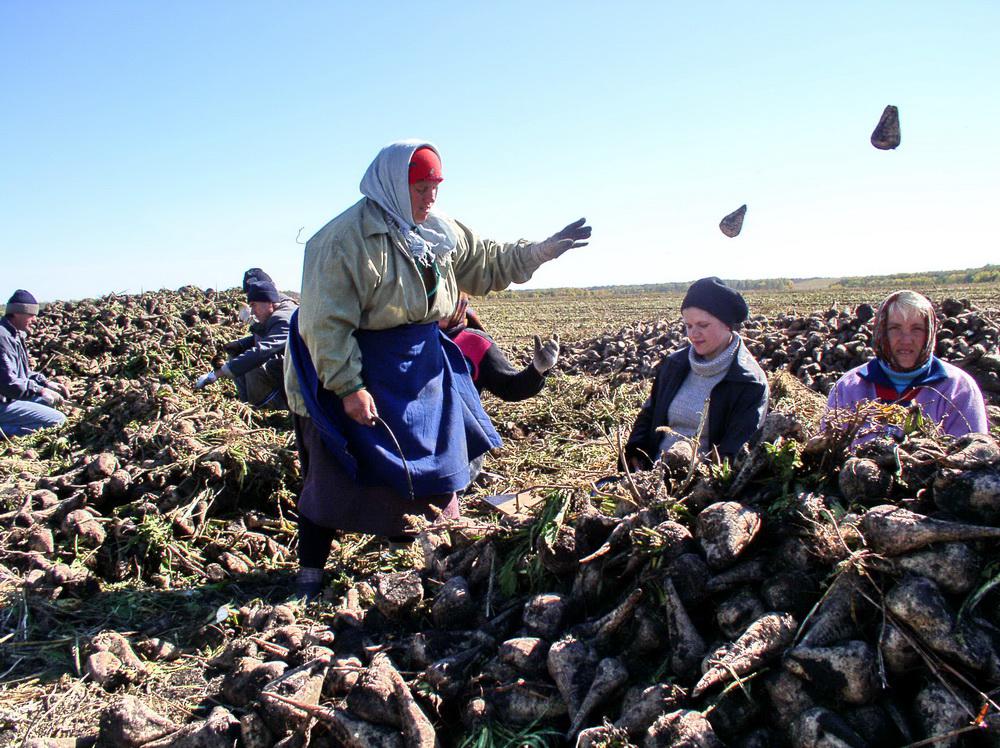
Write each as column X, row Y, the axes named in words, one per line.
column 491, row 371
column 736, row 409
column 17, row 380
column 266, row 340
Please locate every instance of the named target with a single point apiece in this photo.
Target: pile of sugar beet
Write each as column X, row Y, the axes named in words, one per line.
column 811, row 594
column 144, row 461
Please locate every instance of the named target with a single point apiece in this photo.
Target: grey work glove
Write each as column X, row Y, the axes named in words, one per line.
column 50, row 397
column 574, row 235
column 204, row 379
column 546, row 354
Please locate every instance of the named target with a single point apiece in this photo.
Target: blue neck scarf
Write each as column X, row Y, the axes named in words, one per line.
column 903, row 379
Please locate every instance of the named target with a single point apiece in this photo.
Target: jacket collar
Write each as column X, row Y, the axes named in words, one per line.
column 740, row 370
column 874, row 373
column 5, row 324
column 372, row 219
column 373, row 223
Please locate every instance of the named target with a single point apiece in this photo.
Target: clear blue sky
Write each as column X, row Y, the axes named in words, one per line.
column 152, row 144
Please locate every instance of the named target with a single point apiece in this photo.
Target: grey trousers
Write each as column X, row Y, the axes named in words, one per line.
column 264, row 387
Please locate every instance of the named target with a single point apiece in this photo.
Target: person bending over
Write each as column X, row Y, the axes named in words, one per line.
column 256, row 363
column 491, row 370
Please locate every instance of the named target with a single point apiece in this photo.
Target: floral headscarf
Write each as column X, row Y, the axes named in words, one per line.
column 880, row 338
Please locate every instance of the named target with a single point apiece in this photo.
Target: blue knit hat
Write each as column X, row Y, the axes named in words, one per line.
column 22, row 302
column 718, row 299
column 255, row 274
column 262, row 290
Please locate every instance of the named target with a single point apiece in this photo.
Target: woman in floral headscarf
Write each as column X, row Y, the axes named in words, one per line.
column 905, row 370
column 386, row 416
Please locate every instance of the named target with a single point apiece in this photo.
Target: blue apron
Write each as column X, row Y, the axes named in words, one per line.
column 423, row 393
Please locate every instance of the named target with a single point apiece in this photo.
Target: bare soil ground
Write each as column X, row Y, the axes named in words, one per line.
column 205, row 447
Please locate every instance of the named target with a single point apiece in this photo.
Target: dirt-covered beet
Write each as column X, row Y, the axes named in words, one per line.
column 807, row 593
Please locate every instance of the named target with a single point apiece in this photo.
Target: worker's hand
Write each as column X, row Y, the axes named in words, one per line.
column 546, row 354
column 50, row 397
column 360, row 407
column 574, row 235
column 245, row 314
column 59, row 387
column 205, row 379
column 233, row 346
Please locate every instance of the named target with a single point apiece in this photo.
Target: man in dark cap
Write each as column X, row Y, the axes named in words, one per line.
column 256, row 363
column 27, row 399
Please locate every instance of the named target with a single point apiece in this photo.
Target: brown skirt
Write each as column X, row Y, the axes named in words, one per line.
column 331, row 498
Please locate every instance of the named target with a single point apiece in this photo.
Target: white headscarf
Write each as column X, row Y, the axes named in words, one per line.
column 387, row 182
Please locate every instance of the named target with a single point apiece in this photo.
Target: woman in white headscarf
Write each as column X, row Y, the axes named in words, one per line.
column 386, row 417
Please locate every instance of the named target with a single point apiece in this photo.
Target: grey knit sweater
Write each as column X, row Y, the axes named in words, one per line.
column 691, row 400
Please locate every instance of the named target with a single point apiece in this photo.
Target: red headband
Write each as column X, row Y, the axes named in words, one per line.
column 425, row 165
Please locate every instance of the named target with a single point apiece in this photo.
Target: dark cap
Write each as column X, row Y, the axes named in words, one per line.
column 425, row 165
column 262, row 290
column 718, row 299
column 21, row 302
column 255, row 274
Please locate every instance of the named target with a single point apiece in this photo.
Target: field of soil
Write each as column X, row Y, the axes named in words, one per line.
column 516, row 316
column 147, row 553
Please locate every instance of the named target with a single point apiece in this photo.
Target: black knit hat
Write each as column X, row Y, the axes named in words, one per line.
column 262, row 290
column 718, row 299
column 255, row 274
column 21, row 302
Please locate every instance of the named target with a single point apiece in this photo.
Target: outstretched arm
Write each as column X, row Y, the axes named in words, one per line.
column 258, row 353
column 482, row 265
column 497, row 375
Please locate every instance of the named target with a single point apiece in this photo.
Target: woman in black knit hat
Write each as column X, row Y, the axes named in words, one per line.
column 714, row 377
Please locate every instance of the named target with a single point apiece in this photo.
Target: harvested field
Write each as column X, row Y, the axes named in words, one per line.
column 575, row 315
column 148, row 549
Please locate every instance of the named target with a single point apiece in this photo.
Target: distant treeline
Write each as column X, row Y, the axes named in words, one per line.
column 985, row 274
column 765, row 284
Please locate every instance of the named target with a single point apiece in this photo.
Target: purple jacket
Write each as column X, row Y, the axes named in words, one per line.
column 946, row 394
